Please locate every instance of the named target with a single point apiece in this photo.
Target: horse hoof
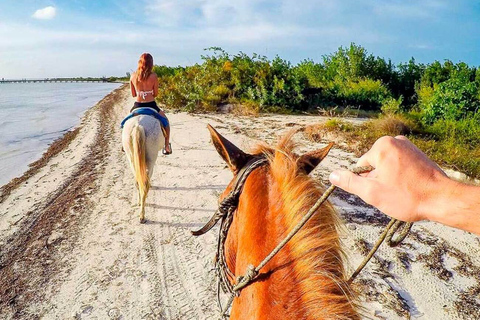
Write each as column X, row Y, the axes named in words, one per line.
column 143, row 220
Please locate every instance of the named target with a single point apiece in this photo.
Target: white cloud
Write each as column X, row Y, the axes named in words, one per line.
column 173, row 13
column 46, row 13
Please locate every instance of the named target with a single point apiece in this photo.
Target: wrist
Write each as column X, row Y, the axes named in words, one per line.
column 437, row 199
column 456, row 205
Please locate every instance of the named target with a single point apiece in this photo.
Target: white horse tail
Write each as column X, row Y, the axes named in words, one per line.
column 139, row 161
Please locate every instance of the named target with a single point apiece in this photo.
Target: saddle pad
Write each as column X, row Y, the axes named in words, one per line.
column 146, row 112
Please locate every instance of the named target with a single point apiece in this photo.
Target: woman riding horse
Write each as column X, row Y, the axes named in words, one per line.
column 144, row 86
column 145, row 130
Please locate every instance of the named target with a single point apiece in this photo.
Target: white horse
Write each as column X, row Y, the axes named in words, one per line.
column 142, row 138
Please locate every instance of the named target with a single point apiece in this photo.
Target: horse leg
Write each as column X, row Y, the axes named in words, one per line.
column 139, row 196
column 150, row 156
column 142, row 210
column 143, row 197
column 135, row 197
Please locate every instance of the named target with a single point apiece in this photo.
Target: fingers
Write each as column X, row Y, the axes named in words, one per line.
column 379, row 150
column 365, row 160
column 348, row 181
column 372, row 157
column 402, row 138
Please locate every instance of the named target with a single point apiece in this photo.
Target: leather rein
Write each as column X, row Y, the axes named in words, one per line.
column 225, row 212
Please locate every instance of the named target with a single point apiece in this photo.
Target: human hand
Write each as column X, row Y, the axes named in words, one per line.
column 404, row 183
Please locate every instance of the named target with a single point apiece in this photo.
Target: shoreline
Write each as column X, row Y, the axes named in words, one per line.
column 57, row 146
column 41, row 207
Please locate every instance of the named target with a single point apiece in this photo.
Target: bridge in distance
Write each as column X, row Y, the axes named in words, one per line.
column 4, row 81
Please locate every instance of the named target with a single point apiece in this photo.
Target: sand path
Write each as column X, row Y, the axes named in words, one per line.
column 71, row 246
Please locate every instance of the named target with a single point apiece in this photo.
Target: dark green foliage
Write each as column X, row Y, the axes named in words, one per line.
column 223, row 78
column 449, row 98
column 164, row 71
column 453, row 99
column 349, row 77
column 404, row 82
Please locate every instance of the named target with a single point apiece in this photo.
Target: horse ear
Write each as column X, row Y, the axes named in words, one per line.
column 233, row 156
column 310, row 160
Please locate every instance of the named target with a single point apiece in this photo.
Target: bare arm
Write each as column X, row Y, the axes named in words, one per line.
column 408, row 186
column 458, row 206
column 132, row 87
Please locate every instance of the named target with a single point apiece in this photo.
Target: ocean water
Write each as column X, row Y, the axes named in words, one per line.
column 33, row 115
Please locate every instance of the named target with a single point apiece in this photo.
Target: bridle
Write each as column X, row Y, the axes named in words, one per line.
column 225, row 212
column 229, row 205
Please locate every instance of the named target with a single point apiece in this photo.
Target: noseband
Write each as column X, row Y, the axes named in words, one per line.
column 225, row 212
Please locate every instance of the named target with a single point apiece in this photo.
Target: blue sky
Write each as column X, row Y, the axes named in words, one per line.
column 55, row 38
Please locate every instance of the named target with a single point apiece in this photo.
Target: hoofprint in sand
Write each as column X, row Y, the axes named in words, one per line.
column 71, row 246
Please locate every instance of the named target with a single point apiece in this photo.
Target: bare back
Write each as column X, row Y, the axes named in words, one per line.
column 146, row 90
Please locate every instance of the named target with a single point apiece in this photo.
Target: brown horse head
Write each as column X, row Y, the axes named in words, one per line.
column 306, row 279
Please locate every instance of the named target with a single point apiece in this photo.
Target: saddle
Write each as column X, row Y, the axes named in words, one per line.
column 146, row 112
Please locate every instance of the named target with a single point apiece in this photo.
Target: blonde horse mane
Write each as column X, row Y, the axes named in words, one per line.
column 316, row 250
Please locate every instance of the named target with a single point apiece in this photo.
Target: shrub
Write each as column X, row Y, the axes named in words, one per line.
column 247, row 108
column 337, row 124
column 365, row 93
column 391, row 125
column 453, row 99
column 392, row 106
column 465, row 131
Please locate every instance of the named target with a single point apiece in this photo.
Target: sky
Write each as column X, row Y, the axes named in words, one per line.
column 67, row 38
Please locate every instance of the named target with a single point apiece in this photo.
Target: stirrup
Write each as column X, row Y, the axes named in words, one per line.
column 164, row 152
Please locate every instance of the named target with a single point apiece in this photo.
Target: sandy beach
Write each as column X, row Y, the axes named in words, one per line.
column 71, row 246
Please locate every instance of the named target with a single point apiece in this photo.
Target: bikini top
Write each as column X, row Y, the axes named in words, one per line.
column 143, row 94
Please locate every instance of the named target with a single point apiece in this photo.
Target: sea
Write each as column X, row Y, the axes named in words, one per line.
column 33, row 115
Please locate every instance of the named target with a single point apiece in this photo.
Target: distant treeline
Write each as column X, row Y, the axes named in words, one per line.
column 102, row 79
column 71, row 79
column 350, row 77
column 439, row 100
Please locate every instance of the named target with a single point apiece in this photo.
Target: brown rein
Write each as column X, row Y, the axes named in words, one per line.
column 229, row 205
column 225, row 212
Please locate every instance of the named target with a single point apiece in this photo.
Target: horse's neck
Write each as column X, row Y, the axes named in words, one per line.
column 282, row 290
column 255, row 231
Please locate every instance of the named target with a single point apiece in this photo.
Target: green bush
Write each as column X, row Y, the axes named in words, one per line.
column 337, row 124
column 453, row 99
column 365, row 93
column 222, row 78
column 392, row 106
column 465, row 131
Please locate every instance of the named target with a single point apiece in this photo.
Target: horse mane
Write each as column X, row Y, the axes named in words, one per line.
column 315, row 251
